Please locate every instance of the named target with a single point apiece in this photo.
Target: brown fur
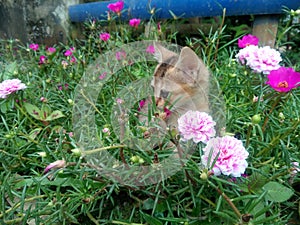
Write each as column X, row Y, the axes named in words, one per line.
column 185, row 78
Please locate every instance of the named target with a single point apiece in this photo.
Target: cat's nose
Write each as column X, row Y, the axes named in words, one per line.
column 160, row 102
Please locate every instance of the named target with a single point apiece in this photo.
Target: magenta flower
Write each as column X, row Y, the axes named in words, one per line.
column 248, row 40
column 150, row 49
column 55, row 165
column 34, row 47
column 8, row 87
column 104, row 36
column 134, row 22
column 43, row 59
column 196, row 125
column 284, row 79
column 229, row 155
column 142, row 103
column 116, row 7
column 69, row 52
column 259, row 59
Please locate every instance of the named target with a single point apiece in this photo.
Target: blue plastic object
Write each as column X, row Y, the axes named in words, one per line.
column 181, row 8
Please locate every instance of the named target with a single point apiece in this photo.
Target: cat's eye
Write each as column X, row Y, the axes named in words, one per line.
column 164, row 94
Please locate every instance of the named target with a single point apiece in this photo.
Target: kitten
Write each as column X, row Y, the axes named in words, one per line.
column 180, row 83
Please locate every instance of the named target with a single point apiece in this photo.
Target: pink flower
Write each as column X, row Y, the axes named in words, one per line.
column 55, row 165
column 150, row 49
column 229, row 155
column 73, row 59
column 120, row 55
column 134, row 22
column 103, row 75
column 104, row 36
column 43, row 99
column 8, row 87
column 51, row 50
column 142, row 103
column 196, row 125
column 259, row 59
column 43, row 59
column 116, row 7
column 34, row 47
column 248, row 40
column 284, row 79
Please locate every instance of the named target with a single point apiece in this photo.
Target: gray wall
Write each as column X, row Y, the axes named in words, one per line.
column 39, row 21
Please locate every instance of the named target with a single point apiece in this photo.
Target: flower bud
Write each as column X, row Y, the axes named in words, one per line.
column 42, row 154
column 203, row 176
column 256, row 119
column 134, row 159
column 76, row 151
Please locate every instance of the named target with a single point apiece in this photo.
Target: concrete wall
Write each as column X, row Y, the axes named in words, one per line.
column 40, row 21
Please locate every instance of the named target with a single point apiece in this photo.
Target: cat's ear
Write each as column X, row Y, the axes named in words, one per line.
column 162, row 54
column 188, row 61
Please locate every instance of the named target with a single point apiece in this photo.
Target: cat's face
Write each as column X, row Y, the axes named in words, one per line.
column 180, row 82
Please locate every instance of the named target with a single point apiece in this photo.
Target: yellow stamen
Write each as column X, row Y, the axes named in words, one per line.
column 283, row 84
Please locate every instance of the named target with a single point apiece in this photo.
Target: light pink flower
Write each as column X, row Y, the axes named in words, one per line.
column 150, row 49
column 284, row 79
column 116, row 7
column 55, row 165
column 106, row 130
column 51, row 50
column 120, row 101
column 34, row 47
column 196, row 125
column 134, row 22
column 8, row 87
column 248, row 40
column 229, row 155
column 64, row 63
column 104, row 36
column 259, row 59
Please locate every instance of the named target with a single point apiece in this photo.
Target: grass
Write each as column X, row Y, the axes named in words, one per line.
column 81, row 192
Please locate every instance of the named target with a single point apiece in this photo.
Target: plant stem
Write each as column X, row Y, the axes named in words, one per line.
column 88, row 152
column 275, row 103
column 227, row 199
column 279, row 137
column 19, row 204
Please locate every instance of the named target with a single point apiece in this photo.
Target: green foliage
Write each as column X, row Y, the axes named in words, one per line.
column 36, row 130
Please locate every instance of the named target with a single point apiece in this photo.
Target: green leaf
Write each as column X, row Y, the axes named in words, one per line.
column 45, row 112
column 9, row 70
column 150, row 219
column 55, row 115
column 277, row 192
column 255, row 184
column 34, row 133
column 33, row 110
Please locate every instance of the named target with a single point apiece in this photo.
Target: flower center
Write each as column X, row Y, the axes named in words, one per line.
column 283, row 84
